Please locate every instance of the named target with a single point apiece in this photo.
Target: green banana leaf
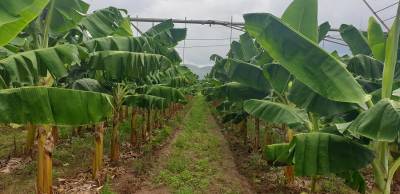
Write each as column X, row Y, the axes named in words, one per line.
column 65, row 15
column 380, row 123
column 236, row 51
column 304, row 97
column 235, row 92
column 391, row 56
column 261, row 59
column 355, row 39
column 132, row 44
column 277, row 153
column 321, row 154
column 218, row 71
column 54, row 106
column 246, row 73
column 301, row 15
column 145, row 101
column 248, row 47
column 365, row 66
column 376, row 39
column 122, row 65
column 277, row 76
column 178, row 82
column 120, row 43
column 310, row 64
column 15, row 15
column 166, row 34
column 274, row 113
column 160, row 28
column 27, row 67
column 168, row 93
column 109, row 21
column 87, row 84
column 323, row 30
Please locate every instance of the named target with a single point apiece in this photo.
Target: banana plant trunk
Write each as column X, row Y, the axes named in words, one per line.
column 30, row 138
column 257, row 135
column 99, row 149
column 55, row 133
column 115, row 137
column 143, row 139
column 133, row 128
column 148, row 125
column 267, row 135
column 126, row 113
column 45, row 165
column 243, row 128
column 289, row 170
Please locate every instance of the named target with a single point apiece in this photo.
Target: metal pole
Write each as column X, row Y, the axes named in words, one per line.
column 230, row 37
column 137, row 25
column 235, row 25
column 184, row 47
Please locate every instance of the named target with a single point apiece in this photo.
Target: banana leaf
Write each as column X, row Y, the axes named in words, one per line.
column 301, row 15
column 310, row 64
column 355, row 39
column 321, row 154
column 304, row 97
column 365, row 66
column 166, row 34
column 65, row 15
column 168, row 93
column 236, row 51
column 277, row 76
column 107, row 22
column 246, row 73
column 27, row 67
column 15, row 15
column 248, row 47
column 87, row 84
column 53, row 106
column 238, row 92
column 122, row 65
column 274, row 113
column 323, row 30
column 145, row 101
column 376, row 39
column 380, row 123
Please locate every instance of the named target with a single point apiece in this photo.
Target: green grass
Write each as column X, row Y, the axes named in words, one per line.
column 189, row 167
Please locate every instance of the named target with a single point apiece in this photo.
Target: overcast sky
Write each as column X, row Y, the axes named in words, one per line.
column 335, row 11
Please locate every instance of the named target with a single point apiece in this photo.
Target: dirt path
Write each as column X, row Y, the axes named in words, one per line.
column 198, row 160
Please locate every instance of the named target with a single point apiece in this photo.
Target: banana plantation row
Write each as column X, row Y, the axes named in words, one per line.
column 322, row 114
column 339, row 114
column 62, row 67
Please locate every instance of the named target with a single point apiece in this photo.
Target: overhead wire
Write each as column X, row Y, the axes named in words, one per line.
column 376, row 14
column 387, row 7
column 389, row 18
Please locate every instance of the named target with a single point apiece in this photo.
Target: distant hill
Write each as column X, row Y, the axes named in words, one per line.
column 200, row 71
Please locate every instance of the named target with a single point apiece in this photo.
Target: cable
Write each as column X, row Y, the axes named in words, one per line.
column 389, row 18
column 376, row 15
column 335, row 38
column 387, row 7
column 334, row 42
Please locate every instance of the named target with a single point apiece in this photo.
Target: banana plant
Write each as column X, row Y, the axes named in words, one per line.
column 16, row 15
column 301, row 74
column 44, row 107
